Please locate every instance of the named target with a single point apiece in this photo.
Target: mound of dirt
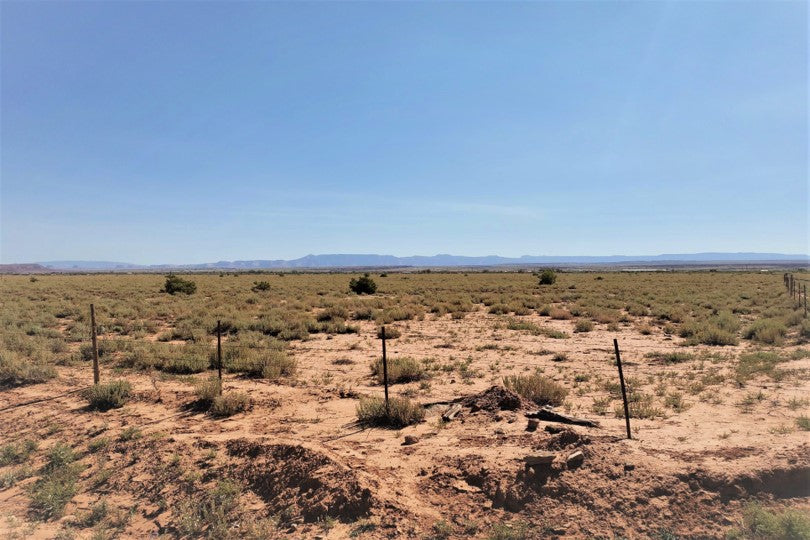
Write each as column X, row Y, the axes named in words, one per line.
column 495, row 398
column 300, row 481
column 565, row 438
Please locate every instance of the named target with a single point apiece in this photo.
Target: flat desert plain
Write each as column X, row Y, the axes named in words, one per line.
column 717, row 366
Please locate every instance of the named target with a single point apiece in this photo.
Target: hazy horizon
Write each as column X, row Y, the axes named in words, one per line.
column 190, row 133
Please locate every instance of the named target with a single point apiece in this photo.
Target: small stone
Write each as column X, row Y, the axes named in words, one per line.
column 498, row 417
column 539, row 459
column 550, row 428
column 629, row 467
column 533, row 424
column 499, row 431
column 411, row 439
column 575, row 459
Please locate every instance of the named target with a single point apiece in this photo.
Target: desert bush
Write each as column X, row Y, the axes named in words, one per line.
column 391, row 332
column 259, row 286
column 271, row 364
column 210, row 514
column 17, row 372
column 560, row 314
column 363, row 285
column 176, row 284
column 400, row 370
column 105, row 396
column 766, row 331
column 760, row 523
column 229, row 403
column 583, row 325
column 402, row 412
column 536, row 388
column 206, row 392
column 548, row 277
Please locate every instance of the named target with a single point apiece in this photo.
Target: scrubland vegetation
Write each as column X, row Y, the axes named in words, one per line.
column 695, row 343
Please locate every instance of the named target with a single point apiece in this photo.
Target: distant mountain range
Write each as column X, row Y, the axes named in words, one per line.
column 337, row 261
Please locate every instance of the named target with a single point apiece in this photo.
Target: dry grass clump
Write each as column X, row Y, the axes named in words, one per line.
column 402, row 412
column 391, row 332
column 206, row 392
column 400, row 370
column 674, row 357
column 537, row 388
column 583, row 325
column 536, row 330
column 106, row 396
column 229, row 403
column 226, row 404
column 560, row 314
column 641, row 406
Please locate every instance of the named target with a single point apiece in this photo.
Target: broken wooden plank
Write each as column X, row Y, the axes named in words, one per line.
column 451, row 412
column 550, row 415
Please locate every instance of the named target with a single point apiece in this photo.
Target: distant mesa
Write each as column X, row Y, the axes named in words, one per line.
column 358, row 261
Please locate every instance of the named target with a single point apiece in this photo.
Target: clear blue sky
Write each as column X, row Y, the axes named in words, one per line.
column 193, row 132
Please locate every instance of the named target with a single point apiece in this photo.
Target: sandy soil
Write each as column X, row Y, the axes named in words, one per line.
column 299, row 453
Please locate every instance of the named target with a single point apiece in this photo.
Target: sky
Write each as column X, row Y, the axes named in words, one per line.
column 191, row 132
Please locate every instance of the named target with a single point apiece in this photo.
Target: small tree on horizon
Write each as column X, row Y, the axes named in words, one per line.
column 363, row 285
column 548, row 277
column 175, row 284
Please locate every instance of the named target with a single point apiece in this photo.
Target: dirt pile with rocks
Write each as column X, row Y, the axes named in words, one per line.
column 300, row 481
column 494, row 399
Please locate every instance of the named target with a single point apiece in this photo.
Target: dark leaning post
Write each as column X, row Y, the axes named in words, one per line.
column 624, row 391
column 385, row 372
column 96, row 376
column 219, row 356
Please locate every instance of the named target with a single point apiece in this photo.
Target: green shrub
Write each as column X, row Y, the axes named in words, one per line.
column 548, row 277
column 400, row 370
column 176, row 284
column 229, row 404
column 363, row 285
column 760, row 523
column 536, row 388
column 766, row 331
column 260, row 286
column 402, row 412
column 57, row 485
column 16, row 453
column 107, row 396
column 803, row 423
